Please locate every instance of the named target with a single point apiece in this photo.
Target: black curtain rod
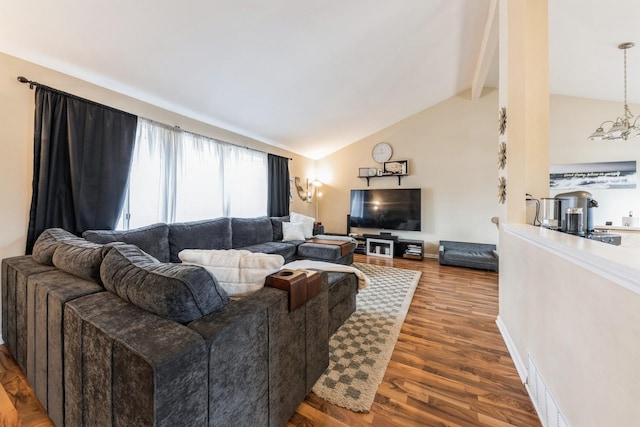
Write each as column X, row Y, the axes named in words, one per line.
column 22, row 79
column 33, row 84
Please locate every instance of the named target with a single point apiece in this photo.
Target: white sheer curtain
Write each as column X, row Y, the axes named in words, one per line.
column 180, row 176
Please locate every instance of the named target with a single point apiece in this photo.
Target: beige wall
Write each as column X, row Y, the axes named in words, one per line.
column 581, row 329
column 452, row 154
column 16, row 139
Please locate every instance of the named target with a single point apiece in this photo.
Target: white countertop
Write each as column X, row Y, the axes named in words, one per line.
column 616, row 228
column 616, row 263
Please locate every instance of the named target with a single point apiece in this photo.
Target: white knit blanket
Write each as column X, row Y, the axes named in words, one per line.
column 238, row 271
column 363, row 280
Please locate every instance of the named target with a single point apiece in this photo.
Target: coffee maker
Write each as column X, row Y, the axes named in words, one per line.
column 574, row 211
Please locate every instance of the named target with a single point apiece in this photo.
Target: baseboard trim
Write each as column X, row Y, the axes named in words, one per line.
column 521, row 367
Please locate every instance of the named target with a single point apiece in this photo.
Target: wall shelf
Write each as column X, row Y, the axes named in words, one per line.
column 384, row 176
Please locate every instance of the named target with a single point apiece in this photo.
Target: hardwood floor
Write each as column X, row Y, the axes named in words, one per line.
column 450, row 366
column 19, row 407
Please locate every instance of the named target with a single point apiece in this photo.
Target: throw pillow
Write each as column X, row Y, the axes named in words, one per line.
column 177, row 292
column 306, row 221
column 238, row 271
column 47, row 243
column 292, row 231
column 276, row 223
column 81, row 258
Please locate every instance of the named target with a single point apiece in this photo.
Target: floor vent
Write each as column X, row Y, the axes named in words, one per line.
column 545, row 404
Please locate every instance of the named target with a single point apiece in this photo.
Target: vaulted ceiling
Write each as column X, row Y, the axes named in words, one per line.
column 310, row 76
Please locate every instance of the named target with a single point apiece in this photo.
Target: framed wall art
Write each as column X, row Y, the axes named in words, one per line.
column 395, row 167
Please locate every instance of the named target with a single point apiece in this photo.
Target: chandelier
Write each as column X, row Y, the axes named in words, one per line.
column 622, row 127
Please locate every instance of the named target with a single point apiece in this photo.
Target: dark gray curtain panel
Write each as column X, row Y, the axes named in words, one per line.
column 278, row 185
column 82, row 158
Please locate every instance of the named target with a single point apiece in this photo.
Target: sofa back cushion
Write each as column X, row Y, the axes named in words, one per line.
column 153, row 239
column 178, row 292
column 47, row 243
column 207, row 234
column 80, row 258
column 251, row 231
column 276, row 223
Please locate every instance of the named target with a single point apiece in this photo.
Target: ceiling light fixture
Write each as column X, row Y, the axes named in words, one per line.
column 622, row 127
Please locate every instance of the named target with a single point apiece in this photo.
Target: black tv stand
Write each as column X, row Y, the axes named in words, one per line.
column 381, row 236
column 402, row 248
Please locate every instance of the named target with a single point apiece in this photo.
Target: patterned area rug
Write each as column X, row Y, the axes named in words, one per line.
column 360, row 350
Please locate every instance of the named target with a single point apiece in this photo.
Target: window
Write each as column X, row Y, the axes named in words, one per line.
column 179, row 176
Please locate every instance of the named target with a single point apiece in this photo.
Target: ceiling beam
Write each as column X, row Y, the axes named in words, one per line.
column 487, row 50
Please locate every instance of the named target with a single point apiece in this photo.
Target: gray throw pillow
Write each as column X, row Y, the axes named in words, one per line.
column 80, row 258
column 153, row 239
column 178, row 292
column 276, row 223
column 47, row 243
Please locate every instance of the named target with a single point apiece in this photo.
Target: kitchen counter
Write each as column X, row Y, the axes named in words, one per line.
column 630, row 235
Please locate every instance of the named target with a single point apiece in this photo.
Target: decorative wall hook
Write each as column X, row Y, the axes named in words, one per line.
column 302, row 192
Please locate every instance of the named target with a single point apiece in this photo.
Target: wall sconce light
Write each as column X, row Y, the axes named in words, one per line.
column 313, row 189
column 302, row 193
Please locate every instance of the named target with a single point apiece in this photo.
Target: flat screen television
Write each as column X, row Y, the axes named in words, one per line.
column 390, row 209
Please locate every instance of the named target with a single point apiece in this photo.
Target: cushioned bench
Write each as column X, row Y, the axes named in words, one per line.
column 480, row 256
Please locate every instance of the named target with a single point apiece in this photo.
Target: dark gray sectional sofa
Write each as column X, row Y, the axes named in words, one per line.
column 111, row 330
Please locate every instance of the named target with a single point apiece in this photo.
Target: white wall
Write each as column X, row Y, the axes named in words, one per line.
column 452, row 154
column 572, row 121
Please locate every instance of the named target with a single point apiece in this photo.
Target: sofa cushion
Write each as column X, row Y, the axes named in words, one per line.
column 239, row 272
column 178, row 292
column 207, row 234
column 319, row 251
column 286, row 249
column 249, row 231
column 153, row 239
column 292, row 231
column 47, row 242
column 306, row 221
column 276, row 223
column 80, row 258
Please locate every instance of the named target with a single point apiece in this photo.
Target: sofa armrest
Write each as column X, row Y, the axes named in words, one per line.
column 237, row 340
column 263, row 357
column 126, row 366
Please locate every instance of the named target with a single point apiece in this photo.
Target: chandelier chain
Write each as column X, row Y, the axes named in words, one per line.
column 622, row 126
column 626, row 108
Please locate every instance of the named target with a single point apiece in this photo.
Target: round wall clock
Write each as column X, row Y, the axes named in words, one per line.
column 381, row 152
